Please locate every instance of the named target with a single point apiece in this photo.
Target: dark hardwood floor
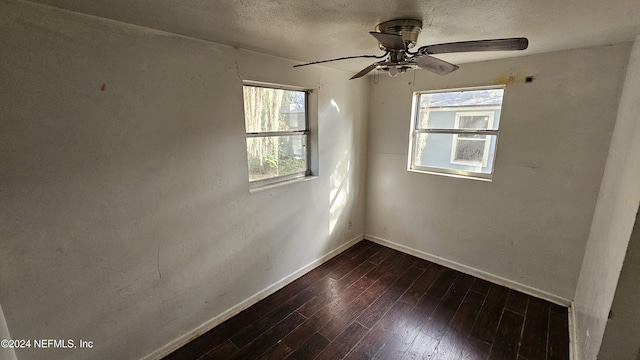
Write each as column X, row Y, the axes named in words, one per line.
column 372, row 302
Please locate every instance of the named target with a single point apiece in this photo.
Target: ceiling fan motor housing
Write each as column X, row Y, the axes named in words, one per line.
column 409, row 29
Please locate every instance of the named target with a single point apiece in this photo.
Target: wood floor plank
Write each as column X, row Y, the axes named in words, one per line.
column 279, row 312
column 382, row 254
column 403, row 343
column 366, row 253
column 382, row 268
column 223, row 351
column 377, row 310
column 342, row 270
column 343, row 343
column 402, row 263
column 205, row 343
column 534, row 336
column 392, row 291
column 302, row 333
column 330, row 292
column 391, row 268
column 310, row 349
column 411, row 330
column 337, row 288
column 327, row 314
column 450, row 347
column 355, row 261
column 438, row 324
column 269, row 338
column 341, row 320
column 305, row 280
column 421, row 348
column 374, row 302
column 558, row 347
column 357, row 250
column 371, row 344
column 505, row 346
column 475, row 350
column 481, row 286
column 348, row 314
column 277, row 352
column 560, row 310
column 422, row 284
column 487, row 322
column 309, row 283
column 354, row 275
column 398, row 339
column 517, row 302
column 442, row 283
column 454, row 341
column 463, row 321
column 422, row 264
column 406, row 279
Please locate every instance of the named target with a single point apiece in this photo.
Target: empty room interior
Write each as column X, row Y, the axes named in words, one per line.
column 164, row 167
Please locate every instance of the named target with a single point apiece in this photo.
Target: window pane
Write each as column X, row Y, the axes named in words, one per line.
column 438, row 110
column 451, row 152
column 469, row 150
column 474, row 122
column 272, row 156
column 268, row 110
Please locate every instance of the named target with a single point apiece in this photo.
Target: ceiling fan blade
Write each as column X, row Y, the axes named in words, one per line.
column 435, row 65
column 364, row 71
column 389, row 41
column 477, row 45
column 343, row 58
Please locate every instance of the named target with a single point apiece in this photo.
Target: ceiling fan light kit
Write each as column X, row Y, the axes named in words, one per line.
column 398, row 37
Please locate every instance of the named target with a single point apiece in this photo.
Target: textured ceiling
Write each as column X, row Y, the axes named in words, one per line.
column 308, row 30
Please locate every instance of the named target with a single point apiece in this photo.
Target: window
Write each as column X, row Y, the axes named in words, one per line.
column 277, row 128
column 455, row 133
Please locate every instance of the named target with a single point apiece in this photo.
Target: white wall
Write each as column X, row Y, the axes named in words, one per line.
column 529, row 226
column 125, row 215
column 621, row 340
column 613, row 219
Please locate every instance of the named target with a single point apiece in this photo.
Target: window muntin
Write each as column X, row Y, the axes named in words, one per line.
column 455, row 132
column 277, row 130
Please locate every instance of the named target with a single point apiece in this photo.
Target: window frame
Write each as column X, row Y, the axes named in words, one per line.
column 415, row 131
column 306, row 132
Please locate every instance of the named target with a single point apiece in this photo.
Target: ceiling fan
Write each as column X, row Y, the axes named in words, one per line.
column 397, row 37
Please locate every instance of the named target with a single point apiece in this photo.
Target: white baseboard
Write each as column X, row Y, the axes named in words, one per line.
column 496, row 279
column 573, row 346
column 210, row 324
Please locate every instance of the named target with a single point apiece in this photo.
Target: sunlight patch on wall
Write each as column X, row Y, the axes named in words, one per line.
column 335, row 105
column 338, row 190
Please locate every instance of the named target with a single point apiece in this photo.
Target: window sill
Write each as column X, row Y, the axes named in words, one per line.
column 459, row 176
column 270, row 186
